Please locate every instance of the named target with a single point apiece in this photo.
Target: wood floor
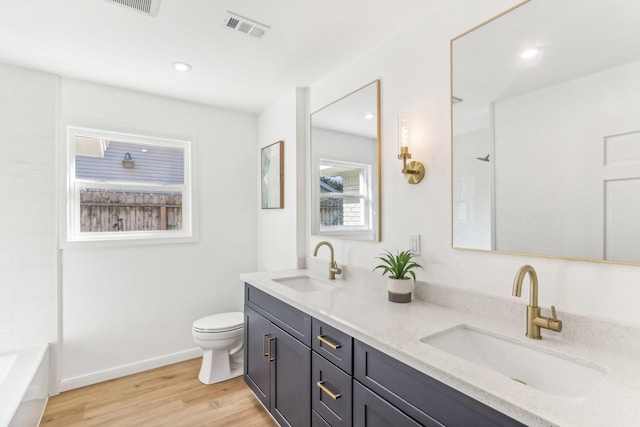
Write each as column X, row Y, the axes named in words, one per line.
column 169, row 396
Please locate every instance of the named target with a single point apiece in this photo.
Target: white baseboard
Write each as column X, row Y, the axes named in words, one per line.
column 66, row 384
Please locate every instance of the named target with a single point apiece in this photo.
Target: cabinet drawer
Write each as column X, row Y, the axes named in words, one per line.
column 420, row 396
column 318, row 421
column 331, row 396
column 370, row 410
column 332, row 344
column 291, row 320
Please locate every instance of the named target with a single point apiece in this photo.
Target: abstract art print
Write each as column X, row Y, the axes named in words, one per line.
column 272, row 176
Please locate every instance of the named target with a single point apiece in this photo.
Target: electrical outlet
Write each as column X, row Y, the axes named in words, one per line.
column 414, row 244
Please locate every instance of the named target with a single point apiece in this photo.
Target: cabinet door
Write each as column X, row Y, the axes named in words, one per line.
column 370, row 410
column 256, row 361
column 290, row 375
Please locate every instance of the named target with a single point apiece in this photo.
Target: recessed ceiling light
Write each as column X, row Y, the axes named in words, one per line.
column 369, row 116
column 181, row 66
column 530, row 53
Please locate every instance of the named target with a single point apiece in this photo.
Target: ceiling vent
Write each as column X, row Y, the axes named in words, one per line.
column 147, row 7
column 244, row 25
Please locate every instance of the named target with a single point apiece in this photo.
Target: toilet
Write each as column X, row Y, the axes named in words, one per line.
column 221, row 337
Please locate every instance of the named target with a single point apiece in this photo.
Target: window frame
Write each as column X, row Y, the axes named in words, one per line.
column 73, row 187
column 364, row 196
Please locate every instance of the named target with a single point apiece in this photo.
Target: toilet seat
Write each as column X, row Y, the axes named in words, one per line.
column 223, row 322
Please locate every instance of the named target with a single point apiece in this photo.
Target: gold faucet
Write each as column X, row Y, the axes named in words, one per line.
column 534, row 320
column 333, row 264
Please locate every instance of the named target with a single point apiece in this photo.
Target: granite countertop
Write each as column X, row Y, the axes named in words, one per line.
column 360, row 308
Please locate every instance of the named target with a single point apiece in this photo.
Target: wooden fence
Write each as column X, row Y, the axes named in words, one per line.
column 331, row 212
column 104, row 211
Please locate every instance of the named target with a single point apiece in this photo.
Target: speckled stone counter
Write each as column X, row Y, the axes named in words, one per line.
column 359, row 307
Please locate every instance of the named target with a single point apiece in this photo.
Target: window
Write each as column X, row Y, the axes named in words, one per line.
column 127, row 187
column 345, row 201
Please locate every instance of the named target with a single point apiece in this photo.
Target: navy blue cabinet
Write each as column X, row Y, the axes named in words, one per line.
column 277, row 364
column 342, row 382
column 424, row 399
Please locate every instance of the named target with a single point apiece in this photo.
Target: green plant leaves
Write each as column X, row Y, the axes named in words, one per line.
column 398, row 266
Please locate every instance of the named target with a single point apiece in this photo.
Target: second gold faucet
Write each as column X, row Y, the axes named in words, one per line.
column 534, row 320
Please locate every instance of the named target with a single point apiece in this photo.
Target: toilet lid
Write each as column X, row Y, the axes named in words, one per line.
column 221, row 322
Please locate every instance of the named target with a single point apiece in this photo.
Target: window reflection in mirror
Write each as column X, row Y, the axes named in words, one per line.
column 345, row 166
column 345, row 202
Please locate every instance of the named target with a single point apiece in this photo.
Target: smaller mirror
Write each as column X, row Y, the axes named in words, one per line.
column 345, row 166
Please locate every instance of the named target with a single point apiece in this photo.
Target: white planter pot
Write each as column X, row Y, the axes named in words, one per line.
column 399, row 290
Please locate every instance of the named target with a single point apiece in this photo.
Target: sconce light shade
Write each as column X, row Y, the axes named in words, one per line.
column 128, row 162
column 412, row 171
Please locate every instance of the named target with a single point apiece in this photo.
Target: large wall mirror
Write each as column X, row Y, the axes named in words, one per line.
column 345, row 166
column 546, row 131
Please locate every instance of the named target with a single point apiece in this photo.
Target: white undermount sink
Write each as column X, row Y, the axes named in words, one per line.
column 304, row 283
column 544, row 370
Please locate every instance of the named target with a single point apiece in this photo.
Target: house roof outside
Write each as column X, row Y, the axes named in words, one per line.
column 151, row 164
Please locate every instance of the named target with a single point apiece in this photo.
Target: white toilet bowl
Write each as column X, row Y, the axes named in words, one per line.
column 221, row 338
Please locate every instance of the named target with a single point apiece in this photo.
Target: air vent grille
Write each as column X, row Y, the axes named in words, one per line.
column 246, row 26
column 148, row 7
column 233, row 22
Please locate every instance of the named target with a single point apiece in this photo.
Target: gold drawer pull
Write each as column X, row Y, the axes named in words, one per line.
column 322, row 387
column 329, row 343
column 264, row 345
column 270, row 356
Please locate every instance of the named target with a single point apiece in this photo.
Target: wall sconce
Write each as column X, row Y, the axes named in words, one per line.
column 413, row 171
column 127, row 162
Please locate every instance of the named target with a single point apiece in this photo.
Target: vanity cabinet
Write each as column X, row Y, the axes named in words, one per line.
column 417, row 396
column 308, row 373
column 278, row 357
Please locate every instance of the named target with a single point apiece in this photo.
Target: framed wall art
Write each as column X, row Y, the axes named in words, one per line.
column 272, row 176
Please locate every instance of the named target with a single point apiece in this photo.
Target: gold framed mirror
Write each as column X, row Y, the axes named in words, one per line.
column 546, row 132
column 345, row 166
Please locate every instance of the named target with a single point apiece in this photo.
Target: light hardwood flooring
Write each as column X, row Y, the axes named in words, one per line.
column 169, row 396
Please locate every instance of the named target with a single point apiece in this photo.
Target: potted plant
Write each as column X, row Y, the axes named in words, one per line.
column 399, row 267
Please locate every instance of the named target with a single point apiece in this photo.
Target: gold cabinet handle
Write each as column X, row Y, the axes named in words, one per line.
column 265, row 353
column 329, row 393
column 271, row 358
column 329, row 343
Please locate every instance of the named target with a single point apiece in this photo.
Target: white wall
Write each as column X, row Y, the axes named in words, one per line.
column 280, row 242
column 413, row 66
column 472, row 220
column 28, row 268
column 131, row 307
